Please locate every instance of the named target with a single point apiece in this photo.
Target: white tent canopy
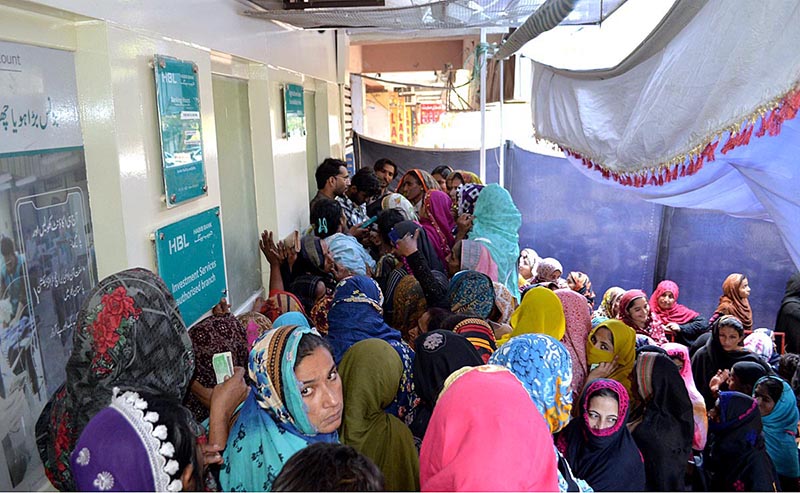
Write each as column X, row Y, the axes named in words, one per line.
column 701, row 119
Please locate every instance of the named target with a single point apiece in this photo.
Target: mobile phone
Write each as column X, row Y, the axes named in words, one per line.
column 369, row 222
column 394, row 237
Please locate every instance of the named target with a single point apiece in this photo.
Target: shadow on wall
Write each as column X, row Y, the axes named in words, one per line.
column 615, row 237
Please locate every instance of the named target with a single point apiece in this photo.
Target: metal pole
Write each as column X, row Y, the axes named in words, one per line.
column 502, row 151
column 482, row 61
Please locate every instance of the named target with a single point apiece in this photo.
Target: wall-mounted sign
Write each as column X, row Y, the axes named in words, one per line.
column 294, row 117
column 38, row 100
column 178, row 97
column 190, row 260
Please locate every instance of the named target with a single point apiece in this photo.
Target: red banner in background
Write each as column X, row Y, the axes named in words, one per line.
column 430, row 113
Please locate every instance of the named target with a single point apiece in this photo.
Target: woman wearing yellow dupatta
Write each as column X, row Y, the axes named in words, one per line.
column 611, row 352
column 540, row 312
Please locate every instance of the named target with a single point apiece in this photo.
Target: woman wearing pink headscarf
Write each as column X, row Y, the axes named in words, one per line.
column 465, row 437
column 578, row 325
column 634, row 310
column 436, row 219
column 685, row 323
column 680, row 356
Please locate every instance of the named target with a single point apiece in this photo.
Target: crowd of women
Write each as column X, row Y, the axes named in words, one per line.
column 426, row 353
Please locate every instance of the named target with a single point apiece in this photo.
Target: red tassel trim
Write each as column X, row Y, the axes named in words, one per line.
column 771, row 124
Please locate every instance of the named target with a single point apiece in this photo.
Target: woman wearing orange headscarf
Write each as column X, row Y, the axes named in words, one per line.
column 734, row 300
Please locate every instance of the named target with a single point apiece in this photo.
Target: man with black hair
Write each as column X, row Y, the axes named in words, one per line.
column 363, row 186
column 332, row 180
column 385, row 170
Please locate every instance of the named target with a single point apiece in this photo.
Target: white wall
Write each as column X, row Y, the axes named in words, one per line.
column 119, row 116
column 217, row 25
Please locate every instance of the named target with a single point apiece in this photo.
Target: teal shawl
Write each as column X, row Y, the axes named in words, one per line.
column 780, row 430
column 497, row 220
column 268, row 430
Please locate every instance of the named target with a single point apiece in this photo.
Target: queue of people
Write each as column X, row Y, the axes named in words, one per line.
column 406, row 344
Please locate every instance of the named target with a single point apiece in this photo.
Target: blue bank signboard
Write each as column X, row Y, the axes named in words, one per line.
column 178, row 97
column 190, row 260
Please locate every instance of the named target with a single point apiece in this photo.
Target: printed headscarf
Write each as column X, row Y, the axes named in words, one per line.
column 607, row 459
column 371, row 372
column 678, row 313
column 468, row 177
column 471, row 293
column 426, row 179
column 466, row 196
column 780, row 430
column 357, row 313
column 504, row 302
column 319, row 313
column 760, row 342
column 254, row 325
column 699, row 412
column 455, row 454
column 212, row 335
column 624, row 349
column 479, row 333
column 544, row 367
column 533, row 260
column 475, row 256
column 438, row 222
column 291, row 318
column 578, row 326
column 579, row 282
column 409, row 305
column 280, row 302
column 652, row 328
column 540, row 312
column 731, row 303
column 399, row 203
column 130, row 335
column 546, row 270
column 606, row 309
column 273, row 424
column 350, row 254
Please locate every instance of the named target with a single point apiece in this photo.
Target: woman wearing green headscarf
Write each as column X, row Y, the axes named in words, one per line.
column 497, row 220
column 371, row 372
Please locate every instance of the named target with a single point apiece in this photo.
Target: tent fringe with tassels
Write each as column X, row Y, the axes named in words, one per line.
column 771, row 115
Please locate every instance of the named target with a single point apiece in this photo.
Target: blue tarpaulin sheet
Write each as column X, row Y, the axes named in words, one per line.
column 617, row 238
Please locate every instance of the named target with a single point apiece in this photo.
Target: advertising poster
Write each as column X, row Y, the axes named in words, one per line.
column 46, row 244
column 178, row 97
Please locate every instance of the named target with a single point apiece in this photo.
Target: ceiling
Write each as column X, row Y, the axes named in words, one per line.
column 427, row 15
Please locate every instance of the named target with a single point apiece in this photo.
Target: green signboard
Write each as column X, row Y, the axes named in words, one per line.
column 190, row 260
column 294, row 117
column 178, row 99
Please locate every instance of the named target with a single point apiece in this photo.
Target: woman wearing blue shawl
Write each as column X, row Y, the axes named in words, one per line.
column 356, row 314
column 296, row 400
column 291, row 318
column 497, row 220
column 778, row 408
